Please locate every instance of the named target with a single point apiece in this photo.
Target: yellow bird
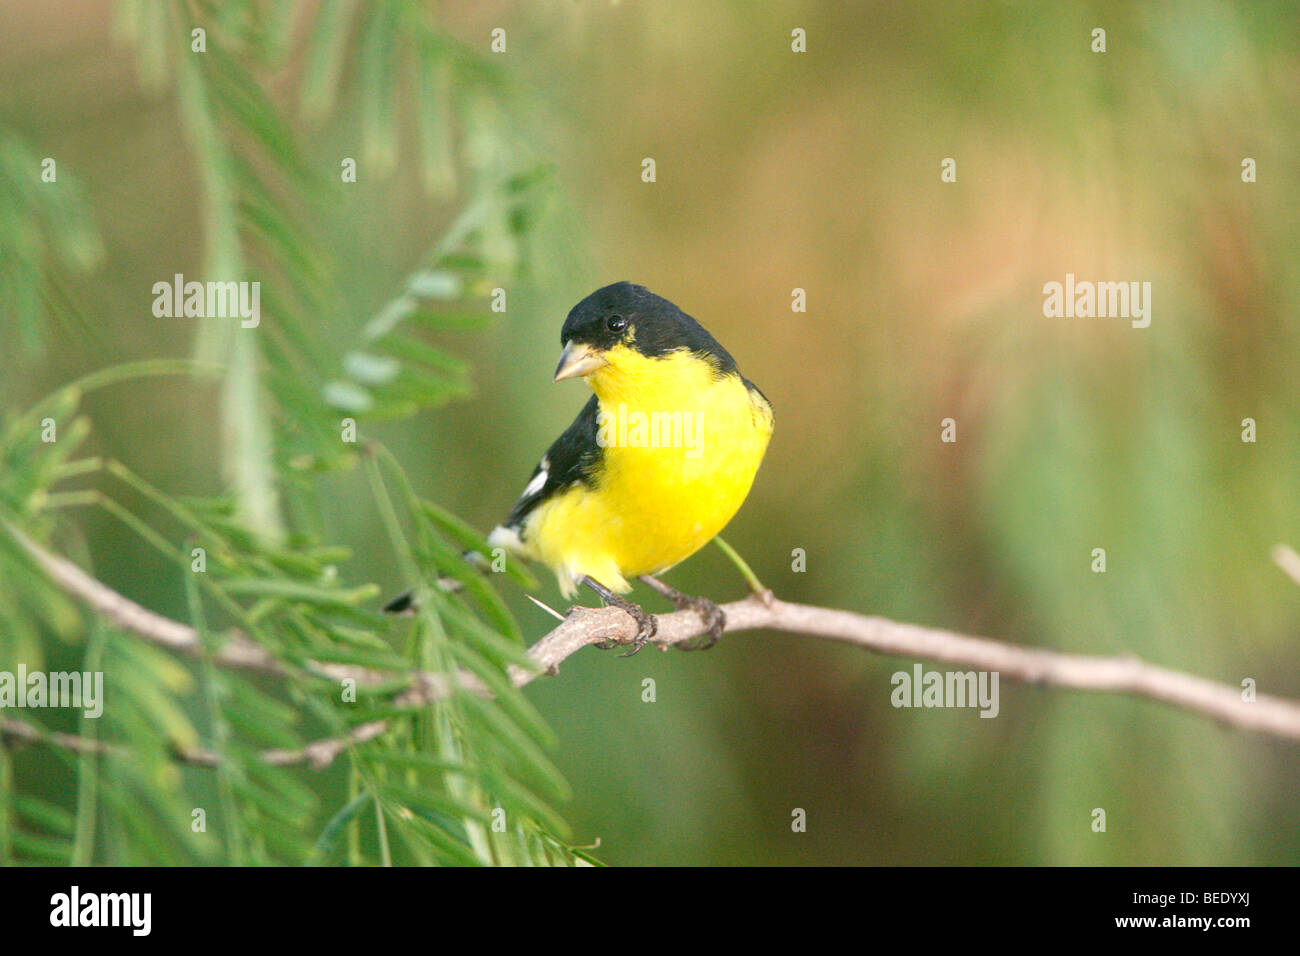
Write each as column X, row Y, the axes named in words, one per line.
column 656, row 463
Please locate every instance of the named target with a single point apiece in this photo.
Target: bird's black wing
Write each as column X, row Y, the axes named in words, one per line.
column 573, row 457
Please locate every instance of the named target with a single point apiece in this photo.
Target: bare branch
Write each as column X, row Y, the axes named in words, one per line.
column 238, row 652
column 320, row 753
column 583, row 626
column 12, row 728
column 1267, row 714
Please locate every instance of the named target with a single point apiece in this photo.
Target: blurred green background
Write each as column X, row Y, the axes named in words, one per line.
column 821, row 171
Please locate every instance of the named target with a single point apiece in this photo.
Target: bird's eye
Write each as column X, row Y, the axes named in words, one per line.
column 616, row 323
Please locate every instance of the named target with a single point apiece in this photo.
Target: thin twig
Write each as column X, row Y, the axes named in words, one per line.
column 11, row 728
column 238, row 651
column 583, row 626
column 319, row 753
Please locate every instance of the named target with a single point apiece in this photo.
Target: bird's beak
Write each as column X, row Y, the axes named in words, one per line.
column 578, row 359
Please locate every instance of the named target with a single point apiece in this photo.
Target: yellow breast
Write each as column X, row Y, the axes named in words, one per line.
column 680, row 446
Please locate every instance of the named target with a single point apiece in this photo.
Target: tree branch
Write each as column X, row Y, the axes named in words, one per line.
column 1123, row 675
column 583, row 626
column 320, row 753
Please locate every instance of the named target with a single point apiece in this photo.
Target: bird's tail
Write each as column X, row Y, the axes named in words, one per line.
column 405, row 602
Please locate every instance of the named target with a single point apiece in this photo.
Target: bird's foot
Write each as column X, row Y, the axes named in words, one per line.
column 715, row 621
column 713, row 617
column 646, row 624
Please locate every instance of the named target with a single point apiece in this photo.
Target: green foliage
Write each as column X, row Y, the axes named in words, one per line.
column 45, row 228
column 196, row 762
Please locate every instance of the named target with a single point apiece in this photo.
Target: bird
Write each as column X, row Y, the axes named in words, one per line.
column 658, row 461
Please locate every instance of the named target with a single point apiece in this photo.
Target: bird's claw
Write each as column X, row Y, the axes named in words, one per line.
column 714, row 618
column 646, row 626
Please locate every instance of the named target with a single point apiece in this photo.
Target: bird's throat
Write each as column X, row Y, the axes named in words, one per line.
column 677, row 381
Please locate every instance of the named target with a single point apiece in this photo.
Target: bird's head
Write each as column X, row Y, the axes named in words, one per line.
column 624, row 324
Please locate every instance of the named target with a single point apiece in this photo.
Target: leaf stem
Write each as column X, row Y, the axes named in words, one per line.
column 746, row 571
